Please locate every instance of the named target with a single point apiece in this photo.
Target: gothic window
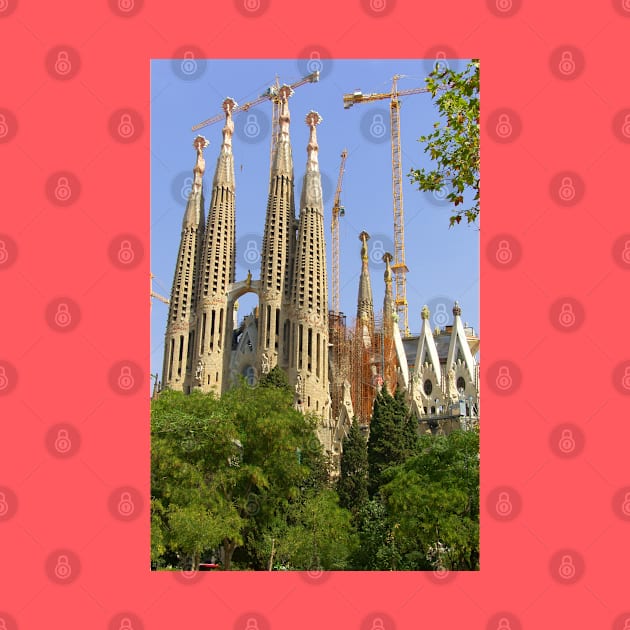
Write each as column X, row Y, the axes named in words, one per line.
column 428, row 387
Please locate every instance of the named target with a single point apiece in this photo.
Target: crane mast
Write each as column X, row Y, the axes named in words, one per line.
column 337, row 210
column 399, row 268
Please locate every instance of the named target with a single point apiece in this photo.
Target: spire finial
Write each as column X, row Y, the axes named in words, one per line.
column 199, row 143
column 284, row 93
column 228, row 105
column 424, row 313
column 364, row 237
column 312, row 120
column 457, row 309
column 387, row 258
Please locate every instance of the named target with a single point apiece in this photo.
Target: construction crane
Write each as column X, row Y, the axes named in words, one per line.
column 337, row 211
column 399, row 268
column 271, row 94
column 157, row 295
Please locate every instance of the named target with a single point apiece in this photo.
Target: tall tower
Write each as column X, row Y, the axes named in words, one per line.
column 308, row 368
column 364, row 360
column 217, row 271
column 278, row 249
column 388, row 350
column 180, row 328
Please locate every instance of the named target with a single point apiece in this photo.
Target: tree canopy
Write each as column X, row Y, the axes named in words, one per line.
column 453, row 145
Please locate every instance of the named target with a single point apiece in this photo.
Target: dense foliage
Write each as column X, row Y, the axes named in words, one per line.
column 243, row 480
column 453, row 145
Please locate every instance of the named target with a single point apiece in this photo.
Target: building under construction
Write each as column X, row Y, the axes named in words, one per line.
column 336, row 368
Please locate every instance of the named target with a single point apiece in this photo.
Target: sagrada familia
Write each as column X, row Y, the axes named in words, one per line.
column 333, row 377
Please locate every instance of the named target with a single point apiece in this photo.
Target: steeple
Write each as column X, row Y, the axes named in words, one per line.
column 458, row 346
column 277, row 248
column 179, row 338
column 308, row 367
column 217, row 270
column 365, row 305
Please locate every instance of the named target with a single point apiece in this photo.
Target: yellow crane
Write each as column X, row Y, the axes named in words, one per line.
column 271, row 94
column 157, row 295
column 399, row 268
column 337, row 211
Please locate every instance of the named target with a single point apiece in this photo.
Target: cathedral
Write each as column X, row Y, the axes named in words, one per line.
column 335, row 372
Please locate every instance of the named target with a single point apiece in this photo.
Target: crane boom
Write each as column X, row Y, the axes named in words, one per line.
column 334, row 228
column 399, row 268
column 266, row 96
column 157, row 295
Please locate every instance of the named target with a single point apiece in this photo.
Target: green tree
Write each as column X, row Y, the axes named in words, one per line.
column 433, row 502
column 352, row 486
column 454, row 142
column 276, row 377
column 321, row 536
column 225, row 467
column 391, row 439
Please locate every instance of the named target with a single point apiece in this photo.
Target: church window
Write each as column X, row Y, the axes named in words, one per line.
column 428, row 387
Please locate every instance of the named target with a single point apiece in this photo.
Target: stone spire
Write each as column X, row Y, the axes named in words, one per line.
column 308, row 368
column 218, row 261
column 365, row 304
column 180, row 327
column 277, row 248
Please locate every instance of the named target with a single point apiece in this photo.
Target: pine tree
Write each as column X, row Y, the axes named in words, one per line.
column 392, row 436
column 352, row 486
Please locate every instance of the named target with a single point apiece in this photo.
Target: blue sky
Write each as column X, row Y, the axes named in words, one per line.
column 443, row 263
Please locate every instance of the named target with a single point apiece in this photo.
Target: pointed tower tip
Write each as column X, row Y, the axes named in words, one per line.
column 457, row 309
column 228, row 130
column 199, row 144
column 364, row 237
column 424, row 313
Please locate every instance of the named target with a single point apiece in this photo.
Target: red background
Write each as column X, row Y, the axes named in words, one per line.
column 562, row 503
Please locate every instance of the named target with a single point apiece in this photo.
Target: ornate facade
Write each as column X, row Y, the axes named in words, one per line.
column 206, row 350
